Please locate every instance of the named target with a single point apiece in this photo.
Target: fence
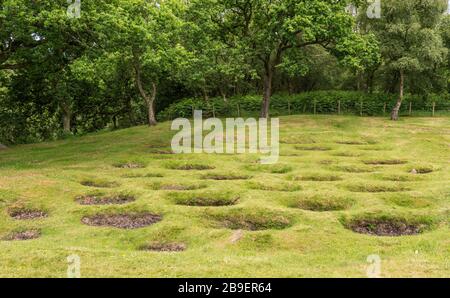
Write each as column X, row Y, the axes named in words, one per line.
column 321, row 102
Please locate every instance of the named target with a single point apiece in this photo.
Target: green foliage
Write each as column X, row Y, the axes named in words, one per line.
column 322, row 102
column 124, row 61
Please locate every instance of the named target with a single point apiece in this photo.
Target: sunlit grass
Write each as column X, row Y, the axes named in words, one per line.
column 226, row 215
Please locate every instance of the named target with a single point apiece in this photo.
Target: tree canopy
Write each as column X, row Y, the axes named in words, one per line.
column 120, row 62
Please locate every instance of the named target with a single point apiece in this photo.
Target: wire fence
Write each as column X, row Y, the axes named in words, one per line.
column 313, row 104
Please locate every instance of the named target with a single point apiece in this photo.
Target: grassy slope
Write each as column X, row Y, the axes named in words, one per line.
column 48, row 176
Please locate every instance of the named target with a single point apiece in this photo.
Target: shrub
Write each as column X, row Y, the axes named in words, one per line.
column 321, row 102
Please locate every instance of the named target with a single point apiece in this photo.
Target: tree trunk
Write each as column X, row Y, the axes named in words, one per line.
column 358, row 80
column 151, row 107
column 205, row 94
column 223, row 93
column 66, row 121
column 268, row 78
column 395, row 111
column 149, row 100
column 67, row 117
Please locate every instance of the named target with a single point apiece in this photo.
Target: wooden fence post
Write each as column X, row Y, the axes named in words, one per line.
column 410, row 108
column 361, row 109
column 289, row 107
column 339, row 107
column 434, row 108
column 214, row 111
column 384, row 109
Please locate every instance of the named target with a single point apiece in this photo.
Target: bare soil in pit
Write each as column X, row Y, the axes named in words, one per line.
column 122, row 221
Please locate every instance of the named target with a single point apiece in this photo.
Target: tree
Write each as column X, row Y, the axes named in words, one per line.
column 40, row 41
column 212, row 67
column 445, row 32
column 147, row 37
column 267, row 30
column 410, row 40
column 18, row 21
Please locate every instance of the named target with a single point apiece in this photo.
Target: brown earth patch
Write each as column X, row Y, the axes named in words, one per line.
column 23, row 235
column 129, row 165
column 225, row 177
column 162, row 151
column 313, row 148
column 122, row 221
column 384, row 227
column 190, row 167
column 174, row 187
column 105, row 200
column 422, row 170
column 26, row 214
column 165, row 247
column 385, row 162
column 351, row 143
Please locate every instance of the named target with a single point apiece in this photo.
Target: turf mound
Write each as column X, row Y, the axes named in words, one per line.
column 369, row 187
column 317, row 177
column 297, row 140
column 284, row 187
column 353, row 169
column 189, row 166
column 255, row 220
column 202, row 199
column 313, row 148
column 161, row 151
column 397, row 177
column 408, row 200
column 272, row 169
column 177, row 186
column 385, row 162
column 99, row 183
column 350, row 142
column 322, row 203
column 346, row 154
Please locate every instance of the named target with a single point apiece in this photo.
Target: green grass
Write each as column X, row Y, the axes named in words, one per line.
column 290, row 219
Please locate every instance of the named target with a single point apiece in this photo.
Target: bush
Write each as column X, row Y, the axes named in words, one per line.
column 319, row 102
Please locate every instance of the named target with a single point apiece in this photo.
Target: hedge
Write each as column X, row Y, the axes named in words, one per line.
column 317, row 102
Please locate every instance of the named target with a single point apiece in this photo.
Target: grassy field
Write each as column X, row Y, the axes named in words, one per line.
column 293, row 219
